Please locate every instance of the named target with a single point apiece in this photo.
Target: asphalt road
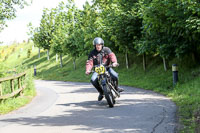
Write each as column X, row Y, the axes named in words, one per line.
column 66, row 107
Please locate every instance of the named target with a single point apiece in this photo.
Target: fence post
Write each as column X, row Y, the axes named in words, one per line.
column 12, row 85
column 19, row 85
column 23, row 82
column 175, row 73
column 1, row 90
column 35, row 73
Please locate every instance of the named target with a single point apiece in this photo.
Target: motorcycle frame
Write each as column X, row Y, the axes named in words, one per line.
column 106, row 78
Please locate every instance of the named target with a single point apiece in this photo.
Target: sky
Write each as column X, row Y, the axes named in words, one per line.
column 17, row 28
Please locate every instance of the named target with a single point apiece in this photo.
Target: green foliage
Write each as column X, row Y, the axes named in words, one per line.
column 2, row 70
column 170, row 26
column 8, row 10
column 91, row 25
column 74, row 42
column 46, row 29
column 28, row 53
column 34, row 34
column 121, row 23
column 166, row 28
column 60, row 29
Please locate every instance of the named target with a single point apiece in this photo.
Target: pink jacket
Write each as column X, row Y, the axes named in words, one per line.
column 94, row 58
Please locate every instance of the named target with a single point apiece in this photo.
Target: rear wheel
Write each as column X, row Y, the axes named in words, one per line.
column 108, row 96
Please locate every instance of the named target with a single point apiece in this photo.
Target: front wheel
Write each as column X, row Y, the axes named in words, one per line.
column 108, row 96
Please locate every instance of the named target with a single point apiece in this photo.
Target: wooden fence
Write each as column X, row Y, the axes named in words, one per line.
column 20, row 86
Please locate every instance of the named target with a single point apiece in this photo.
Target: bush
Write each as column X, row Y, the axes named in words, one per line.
column 28, row 53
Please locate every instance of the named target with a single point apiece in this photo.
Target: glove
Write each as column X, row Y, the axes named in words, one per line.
column 115, row 64
column 87, row 72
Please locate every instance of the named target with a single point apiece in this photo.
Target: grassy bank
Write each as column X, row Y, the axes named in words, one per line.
column 11, row 63
column 14, row 103
column 185, row 94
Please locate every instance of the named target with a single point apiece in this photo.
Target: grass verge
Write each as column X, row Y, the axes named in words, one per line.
column 14, row 103
column 11, row 65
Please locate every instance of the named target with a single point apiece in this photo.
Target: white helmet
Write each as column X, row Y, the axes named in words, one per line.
column 98, row 40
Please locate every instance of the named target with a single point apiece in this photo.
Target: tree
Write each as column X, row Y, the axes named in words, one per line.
column 35, row 36
column 122, row 23
column 8, row 10
column 171, row 27
column 155, row 38
column 91, row 26
column 46, row 29
column 60, row 30
column 74, row 41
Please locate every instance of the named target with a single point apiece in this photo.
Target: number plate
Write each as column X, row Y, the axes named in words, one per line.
column 100, row 69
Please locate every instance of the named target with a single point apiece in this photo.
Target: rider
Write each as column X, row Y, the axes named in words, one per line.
column 94, row 58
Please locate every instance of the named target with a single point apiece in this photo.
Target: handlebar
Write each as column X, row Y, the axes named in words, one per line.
column 109, row 66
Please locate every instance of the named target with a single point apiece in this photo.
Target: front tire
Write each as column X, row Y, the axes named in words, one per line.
column 108, row 96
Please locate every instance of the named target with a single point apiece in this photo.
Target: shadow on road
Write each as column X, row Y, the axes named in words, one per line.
column 96, row 116
column 130, row 114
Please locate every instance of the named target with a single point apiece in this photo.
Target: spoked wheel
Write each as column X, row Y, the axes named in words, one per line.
column 108, row 95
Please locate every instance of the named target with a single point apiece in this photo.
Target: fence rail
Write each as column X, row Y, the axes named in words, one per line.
column 14, row 92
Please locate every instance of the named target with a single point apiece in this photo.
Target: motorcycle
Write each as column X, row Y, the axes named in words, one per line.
column 107, row 84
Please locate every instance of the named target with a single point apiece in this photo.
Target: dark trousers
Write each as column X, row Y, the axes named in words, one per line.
column 95, row 83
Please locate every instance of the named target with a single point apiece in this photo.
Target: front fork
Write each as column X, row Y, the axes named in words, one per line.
column 112, row 88
column 103, row 82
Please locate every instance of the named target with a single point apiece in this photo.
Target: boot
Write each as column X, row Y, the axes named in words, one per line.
column 117, row 87
column 120, row 89
column 100, row 97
